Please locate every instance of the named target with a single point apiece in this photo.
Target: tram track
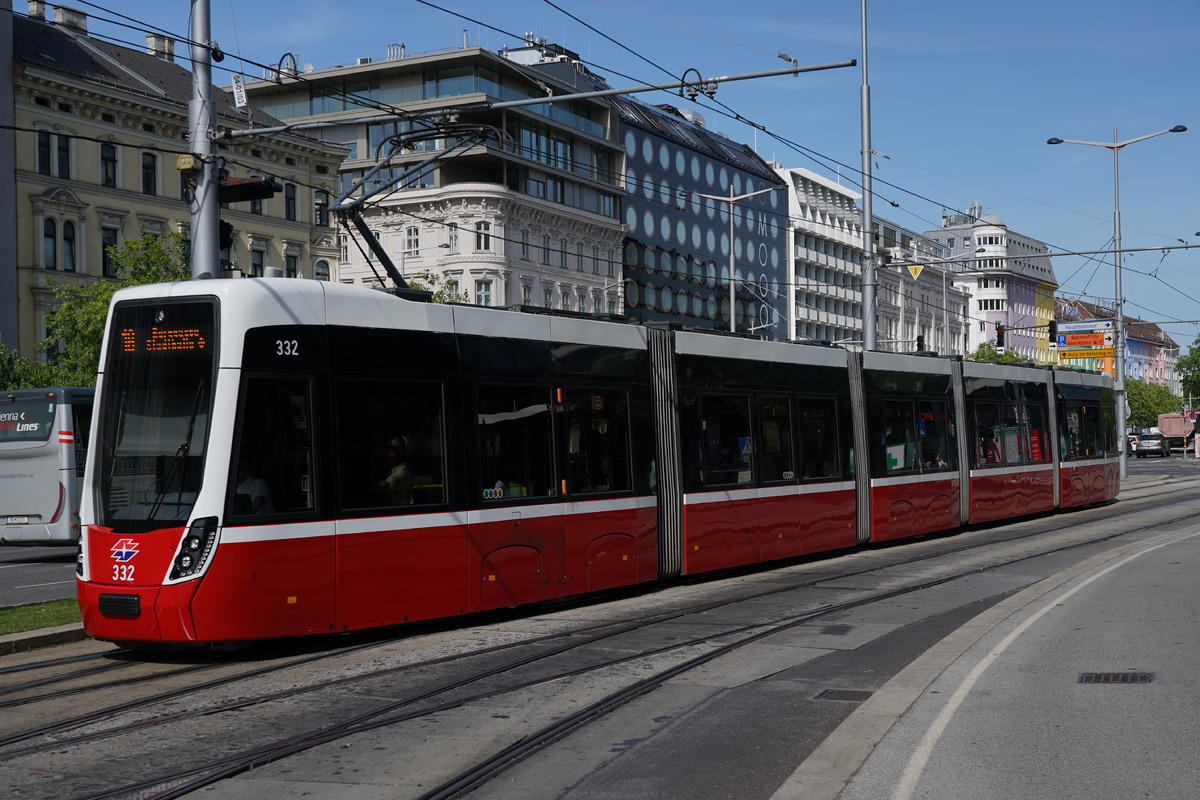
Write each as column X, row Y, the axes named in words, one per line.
column 178, row 694
column 404, row 709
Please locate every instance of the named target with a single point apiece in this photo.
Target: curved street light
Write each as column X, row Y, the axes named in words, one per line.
column 1118, row 323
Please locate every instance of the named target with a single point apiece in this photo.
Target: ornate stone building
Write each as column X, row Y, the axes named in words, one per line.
column 98, row 129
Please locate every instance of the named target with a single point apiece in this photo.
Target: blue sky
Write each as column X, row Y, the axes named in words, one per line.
column 963, row 97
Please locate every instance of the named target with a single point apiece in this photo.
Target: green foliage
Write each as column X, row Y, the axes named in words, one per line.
column 987, row 352
column 1147, row 401
column 432, row 282
column 1189, row 369
column 75, row 328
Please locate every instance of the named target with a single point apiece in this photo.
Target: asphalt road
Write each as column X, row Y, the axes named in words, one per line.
column 36, row 574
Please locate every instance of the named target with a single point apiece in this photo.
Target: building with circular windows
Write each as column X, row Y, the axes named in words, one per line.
column 698, row 208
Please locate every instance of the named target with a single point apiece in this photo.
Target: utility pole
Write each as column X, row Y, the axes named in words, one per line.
column 205, row 208
column 870, row 279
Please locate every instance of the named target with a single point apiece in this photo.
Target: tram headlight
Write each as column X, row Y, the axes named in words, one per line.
column 195, row 548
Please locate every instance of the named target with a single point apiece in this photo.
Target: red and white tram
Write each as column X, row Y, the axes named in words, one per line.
column 278, row 458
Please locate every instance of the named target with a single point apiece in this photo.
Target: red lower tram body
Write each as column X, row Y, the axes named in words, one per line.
column 541, row 458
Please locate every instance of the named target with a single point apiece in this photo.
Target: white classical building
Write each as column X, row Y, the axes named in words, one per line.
column 527, row 214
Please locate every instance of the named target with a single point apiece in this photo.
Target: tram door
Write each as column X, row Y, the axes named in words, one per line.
column 518, row 529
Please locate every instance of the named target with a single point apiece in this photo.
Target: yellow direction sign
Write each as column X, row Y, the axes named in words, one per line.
column 1106, row 352
column 915, row 269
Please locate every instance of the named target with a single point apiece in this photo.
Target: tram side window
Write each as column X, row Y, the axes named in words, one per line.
column 989, row 436
column 515, row 442
column 1106, row 441
column 1078, row 432
column 274, row 453
column 1014, row 438
column 597, row 440
column 1039, row 442
column 900, row 452
column 390, row 443
column 774, row 449
column 817, row 422
column 725, row 427
column 1091, row 436
column 936, row 428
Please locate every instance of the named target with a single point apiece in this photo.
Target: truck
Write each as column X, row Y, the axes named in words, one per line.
column 1177, row 427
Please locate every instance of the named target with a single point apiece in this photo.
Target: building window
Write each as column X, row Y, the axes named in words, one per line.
column 256, row 206
column 149, row 173
column 412, row 241
column 108, row 238
column 545, row 249
column 611, row 255
column 579, row 256
column 64, row 156
column 108, row 165
column 483, row 243
column 49, row 244
column 258, row 260
column 562, row 253
column 321, row 271
column 483, row 290
column 566, row 300
column 43, row 152
column 547, row 298
column 595, row 260
column 289, row 201
column 291, row 266
column 321, row 208
column 452, row 290
column 452, row 237
column 527, row 294
column 68, row 246
column 343, row 247
column 525, row 245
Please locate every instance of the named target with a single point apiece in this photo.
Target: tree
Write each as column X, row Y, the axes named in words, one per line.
column 1189, row 369
column 987, row 352
column 1147, row 401
column 442, row 291
column 75, row 328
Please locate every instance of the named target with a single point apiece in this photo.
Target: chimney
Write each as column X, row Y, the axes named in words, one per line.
column 160, row 46
column 37, row 9
column 71, row 18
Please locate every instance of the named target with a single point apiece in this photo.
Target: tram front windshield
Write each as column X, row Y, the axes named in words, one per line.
column 154, row 414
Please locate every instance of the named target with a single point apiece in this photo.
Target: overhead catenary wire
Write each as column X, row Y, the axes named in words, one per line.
column 812, row 154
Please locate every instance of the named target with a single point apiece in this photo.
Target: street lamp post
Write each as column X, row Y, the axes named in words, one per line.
column 1118, row 323
column 732, row 200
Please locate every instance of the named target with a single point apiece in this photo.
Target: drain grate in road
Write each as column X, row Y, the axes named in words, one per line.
column 848, row 695
column 1117, row 677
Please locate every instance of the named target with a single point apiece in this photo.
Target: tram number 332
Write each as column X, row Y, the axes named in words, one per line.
column 123, row 572
column 287, row 347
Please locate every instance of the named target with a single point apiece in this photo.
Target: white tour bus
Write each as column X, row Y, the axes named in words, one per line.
column 43, row 448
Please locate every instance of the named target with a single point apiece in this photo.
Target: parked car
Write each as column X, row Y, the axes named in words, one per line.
column 1152, row 443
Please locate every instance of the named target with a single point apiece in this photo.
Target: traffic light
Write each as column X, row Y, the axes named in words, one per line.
column 226, row 235
column 999, row 337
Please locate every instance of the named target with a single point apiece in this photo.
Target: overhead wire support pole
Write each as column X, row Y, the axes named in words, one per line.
column 701, row 84
column 205, row 206
column 706, row 85
column 869, row 277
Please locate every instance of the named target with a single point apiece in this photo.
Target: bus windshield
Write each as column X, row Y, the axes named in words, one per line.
column 154, row 410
